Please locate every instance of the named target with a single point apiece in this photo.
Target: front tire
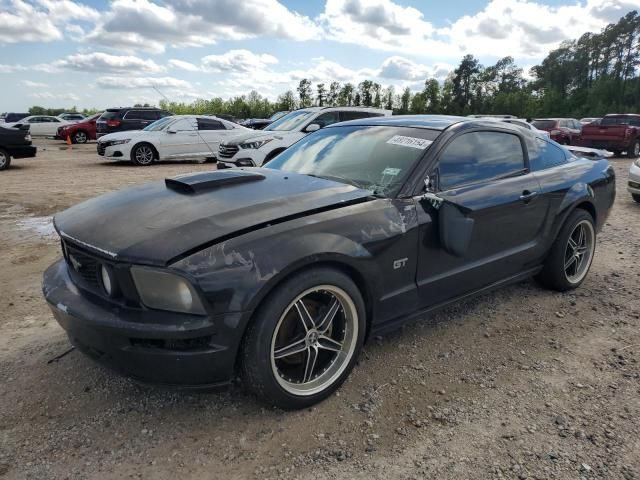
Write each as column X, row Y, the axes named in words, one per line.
column 80, row 137
column 634, row 150
column 305, row 339
column 636, row 197
column 571, row 254
column 5, row 159
column 143, row 154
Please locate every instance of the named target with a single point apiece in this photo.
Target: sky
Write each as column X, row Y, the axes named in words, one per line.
column 100, row 54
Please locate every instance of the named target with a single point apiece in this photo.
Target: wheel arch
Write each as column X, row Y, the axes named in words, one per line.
column 144, row 142
column 273, row 153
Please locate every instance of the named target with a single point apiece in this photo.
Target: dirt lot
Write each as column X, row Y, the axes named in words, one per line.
column 521, row 383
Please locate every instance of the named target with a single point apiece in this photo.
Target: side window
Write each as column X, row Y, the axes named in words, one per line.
column 206, row 124
column 327, row 119
column 141, row 115
column 477, row 156
column 182, row 125
column 35, row 120
column 345, row 116
column 544, row 154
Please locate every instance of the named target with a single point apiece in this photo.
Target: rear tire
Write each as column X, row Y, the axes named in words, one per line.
column 5, row 159
column 571, row 254
column 143, row 154
column 634, row 151
column 292, row 363
column 636, row 197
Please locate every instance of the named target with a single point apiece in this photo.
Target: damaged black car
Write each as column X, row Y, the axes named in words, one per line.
column 280, row 274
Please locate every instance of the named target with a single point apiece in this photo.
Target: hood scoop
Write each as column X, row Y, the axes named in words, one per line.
column 200, row 182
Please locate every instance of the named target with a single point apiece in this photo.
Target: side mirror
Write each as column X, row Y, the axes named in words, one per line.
column 171, row 130
column 312, row 127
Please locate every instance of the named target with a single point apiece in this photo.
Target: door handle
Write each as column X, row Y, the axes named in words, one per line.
column 527, row 196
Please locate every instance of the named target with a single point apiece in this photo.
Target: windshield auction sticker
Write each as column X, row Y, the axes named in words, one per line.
column 412, row 142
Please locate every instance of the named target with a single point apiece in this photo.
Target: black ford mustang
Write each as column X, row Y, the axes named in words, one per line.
column 283, row 272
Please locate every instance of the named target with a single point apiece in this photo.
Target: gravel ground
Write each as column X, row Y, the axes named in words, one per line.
column 520, row 383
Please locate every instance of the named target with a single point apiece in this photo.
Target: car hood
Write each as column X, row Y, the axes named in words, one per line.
column 157, row 223
column 121, row 135
column 252, row 136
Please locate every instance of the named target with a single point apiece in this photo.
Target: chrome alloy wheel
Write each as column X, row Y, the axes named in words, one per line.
column 579, row 251
column 3, row 159
column 314, row 340
column 144, row 154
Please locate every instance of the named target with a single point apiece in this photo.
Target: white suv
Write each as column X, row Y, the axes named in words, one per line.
column 254, row 149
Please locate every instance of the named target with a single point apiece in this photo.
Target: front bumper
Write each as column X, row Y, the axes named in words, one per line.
column 244, row 157
column 633, row 184
column 23, row 151
column 114, row 152
column 165, row 348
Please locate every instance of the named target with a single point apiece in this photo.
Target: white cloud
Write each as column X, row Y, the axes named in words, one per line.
column 182, row 65
column 21, row 22
column 141, row 82
column 55, row 96
column 103, row 62
column 520, row 28
column 42, row 20
column 31, row 84
column 238, row 61
column 144, row 24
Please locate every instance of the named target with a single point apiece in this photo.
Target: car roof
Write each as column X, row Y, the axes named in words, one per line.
column 118, row 109
column 622, row 115
column 436, row 122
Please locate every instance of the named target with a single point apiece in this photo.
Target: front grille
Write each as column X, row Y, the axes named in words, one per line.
column 227, row 151
column 101, row 148
column 83, row 268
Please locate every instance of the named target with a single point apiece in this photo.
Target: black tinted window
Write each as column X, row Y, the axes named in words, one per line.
column 327, row 119
column 544, row 124
column 477, row 156
column 621, row 120
column 544, row 154
column 110, row 115
column 206, row 124
column 345, row 116
column 141, row 115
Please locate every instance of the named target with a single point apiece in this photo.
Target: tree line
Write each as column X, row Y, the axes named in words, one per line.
column 591, row 76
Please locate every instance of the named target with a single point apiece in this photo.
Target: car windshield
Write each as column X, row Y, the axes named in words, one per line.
column 544, row 124
column 374, row 158
column 158, row 124
column 277, row 115
column 291, row 121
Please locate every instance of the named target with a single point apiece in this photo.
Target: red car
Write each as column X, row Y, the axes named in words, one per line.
column 80, row 132
column 565, row 131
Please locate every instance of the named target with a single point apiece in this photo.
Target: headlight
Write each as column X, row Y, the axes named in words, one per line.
column 119, row 142
column 166, row 291
column 256, row 144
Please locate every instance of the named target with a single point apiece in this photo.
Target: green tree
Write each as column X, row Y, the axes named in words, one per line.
column 304, row 93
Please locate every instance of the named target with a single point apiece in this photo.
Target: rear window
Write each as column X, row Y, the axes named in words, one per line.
column 544, row 154
column 142, row 115
column 621, row 120
column 544, row 124
column 110, row 115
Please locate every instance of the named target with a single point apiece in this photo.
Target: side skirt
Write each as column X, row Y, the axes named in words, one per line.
column 419, row 315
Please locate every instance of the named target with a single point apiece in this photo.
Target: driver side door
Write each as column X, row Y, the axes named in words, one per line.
column 180, row 140
column 491, row 200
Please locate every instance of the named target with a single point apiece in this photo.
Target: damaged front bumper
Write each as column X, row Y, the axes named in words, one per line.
column 173, row 349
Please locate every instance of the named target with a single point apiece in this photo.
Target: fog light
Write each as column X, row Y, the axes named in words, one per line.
column 107, row 283
column 245, row 162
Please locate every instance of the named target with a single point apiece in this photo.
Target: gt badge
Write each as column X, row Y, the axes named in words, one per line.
column 401, row 262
